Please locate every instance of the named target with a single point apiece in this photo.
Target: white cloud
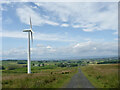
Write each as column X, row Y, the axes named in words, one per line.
column 37, row 36
column 76, row 26
column 13, row 34
column 88, row 48
column 49, row 47
column 92, row 16
column 88, row 30
column 65, row 25
column 7, row 1
column 25, row 12
column 82, row 44
column 116, row 39
column 96, row 48
column 40, row 45
column 8, row 21
column 115, row 33
column 14, row 53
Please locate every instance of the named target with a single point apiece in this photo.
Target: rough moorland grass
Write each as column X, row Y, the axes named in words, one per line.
column 43, row 79
column 102, row 76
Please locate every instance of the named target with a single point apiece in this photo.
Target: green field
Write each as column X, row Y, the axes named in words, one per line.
column 103, row 75
column 49, row 76
column 56, row 74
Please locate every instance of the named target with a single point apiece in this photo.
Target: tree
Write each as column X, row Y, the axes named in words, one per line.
column 33, row 64
column 39, row 65
column 43, row 64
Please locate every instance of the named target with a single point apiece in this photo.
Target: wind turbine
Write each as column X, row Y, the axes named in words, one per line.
column 30, row 32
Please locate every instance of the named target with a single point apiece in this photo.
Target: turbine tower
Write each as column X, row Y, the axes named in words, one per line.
column 30, row 32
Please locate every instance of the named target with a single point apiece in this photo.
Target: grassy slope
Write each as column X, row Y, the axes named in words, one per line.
column 102, row 76
column 41, row 79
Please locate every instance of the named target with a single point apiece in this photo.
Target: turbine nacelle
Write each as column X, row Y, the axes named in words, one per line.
column 27, row 30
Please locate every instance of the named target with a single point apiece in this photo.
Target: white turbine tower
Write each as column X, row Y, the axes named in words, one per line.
column 30, row 32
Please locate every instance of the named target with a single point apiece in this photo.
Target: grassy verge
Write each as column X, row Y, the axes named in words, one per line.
column 46, row 78
column 102, row 76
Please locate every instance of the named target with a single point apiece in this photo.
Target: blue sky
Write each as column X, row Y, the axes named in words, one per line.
column 61, row 30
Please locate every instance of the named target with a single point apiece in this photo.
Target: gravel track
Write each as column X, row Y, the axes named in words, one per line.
column 79, row 81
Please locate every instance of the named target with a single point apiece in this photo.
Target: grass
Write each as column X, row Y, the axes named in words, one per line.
column 102, row 76
column 41, row 78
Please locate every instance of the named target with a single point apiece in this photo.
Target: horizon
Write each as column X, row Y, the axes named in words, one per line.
column 105, row 57
column 62, row 30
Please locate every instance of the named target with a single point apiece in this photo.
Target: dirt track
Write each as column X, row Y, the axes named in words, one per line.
column 79, row 81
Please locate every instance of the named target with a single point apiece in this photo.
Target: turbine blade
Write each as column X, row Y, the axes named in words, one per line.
column 32, row 37
column 30, row 23
column 32, row 31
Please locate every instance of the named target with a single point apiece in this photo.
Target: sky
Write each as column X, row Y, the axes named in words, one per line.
column 62, row 30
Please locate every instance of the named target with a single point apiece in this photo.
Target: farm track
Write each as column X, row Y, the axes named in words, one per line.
column 79, row 81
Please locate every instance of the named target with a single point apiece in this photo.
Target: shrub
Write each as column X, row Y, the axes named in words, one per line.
column 12, row 67
column 24, row 66
column 22, row 62
column 2, row 67
column 61, row 65
column 73, row 65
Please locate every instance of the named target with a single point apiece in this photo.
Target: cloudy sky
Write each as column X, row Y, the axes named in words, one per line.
column 61, row 30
